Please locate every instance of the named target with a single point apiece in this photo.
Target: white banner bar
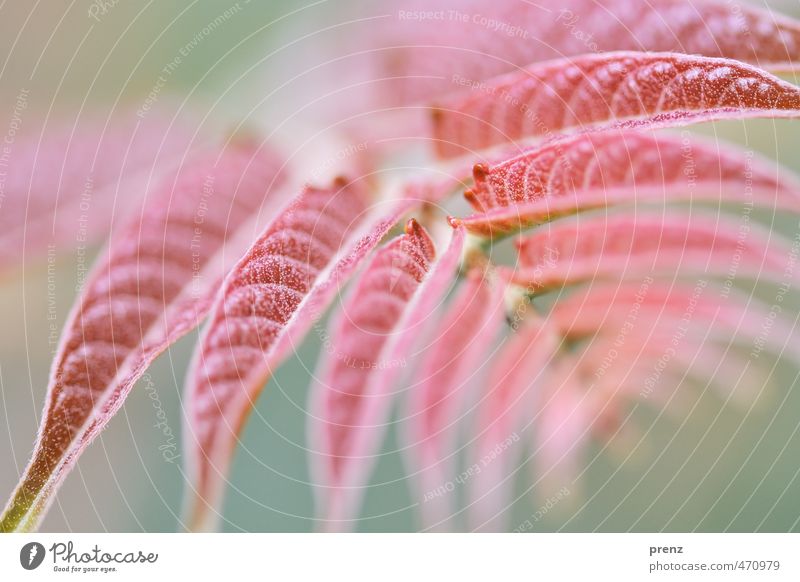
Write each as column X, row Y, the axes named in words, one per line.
column 401, row 557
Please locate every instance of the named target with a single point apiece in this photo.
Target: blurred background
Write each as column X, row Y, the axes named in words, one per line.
column 724, row 469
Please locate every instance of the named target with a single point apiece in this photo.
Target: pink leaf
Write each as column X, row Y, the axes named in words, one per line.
column 641, row 322
column 637, row 366
column 662, row 89
column 601, row 169
column 589, row 391
column 269, row 301
column 372, row 336
column 64, row 185
column 562, row 419
column 652, row 303
column 631, row 245
column 464, row 42
column 454, row 363
column 154, row 283
column 504, row 412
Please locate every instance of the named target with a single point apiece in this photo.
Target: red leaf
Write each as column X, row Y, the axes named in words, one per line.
column 64, row 185
column 663, row 89
column 453, row 365
column 602, row 169
column 372, row 335
column 631, row 245
column 463, row 42
column 153, row 284
column 270, row 299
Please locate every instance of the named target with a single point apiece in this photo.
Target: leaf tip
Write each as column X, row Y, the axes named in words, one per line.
column 454, row 222
column 413, row 228
column 340, row 181
column 480, row 171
